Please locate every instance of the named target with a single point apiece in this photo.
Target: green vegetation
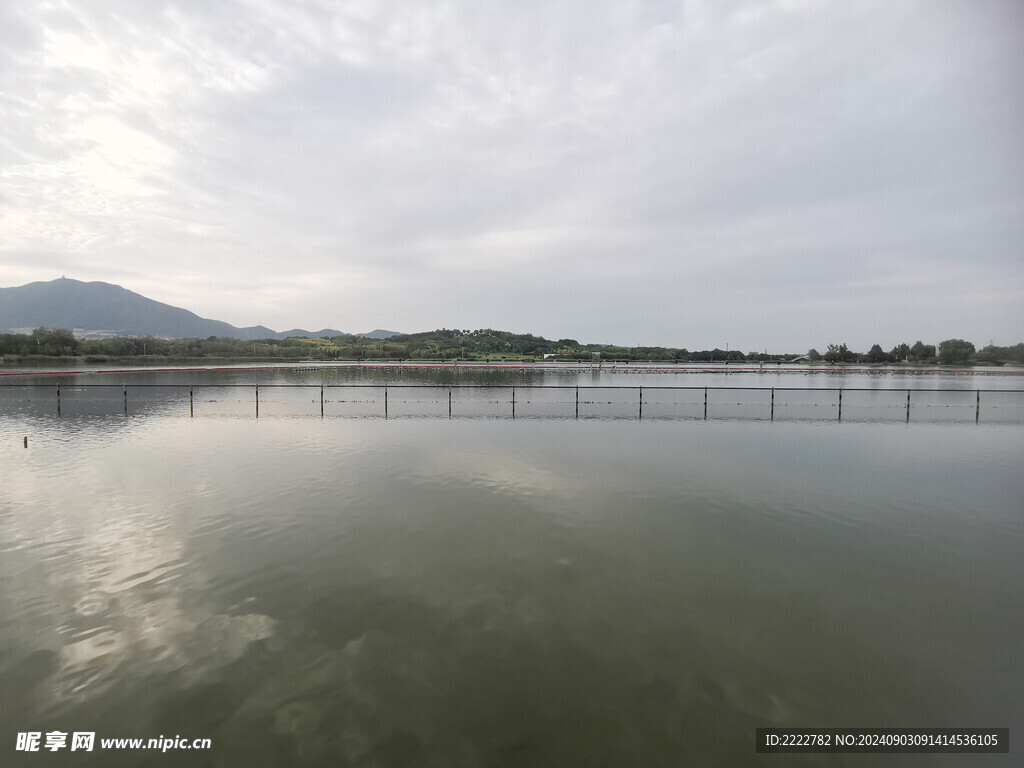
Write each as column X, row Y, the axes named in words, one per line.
column 955, row 351
column 949, row 352
column 452, row 344
column 838, row 353
column 443, row 344
column 42, row 341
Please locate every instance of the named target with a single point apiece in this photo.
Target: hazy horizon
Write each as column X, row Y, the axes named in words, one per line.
column 820, row 347
column 763, row 175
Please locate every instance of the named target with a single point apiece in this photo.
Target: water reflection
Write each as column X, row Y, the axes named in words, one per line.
column 489, row 592
column 527, row 396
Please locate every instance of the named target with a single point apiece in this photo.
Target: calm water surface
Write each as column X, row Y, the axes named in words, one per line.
column 487, row 592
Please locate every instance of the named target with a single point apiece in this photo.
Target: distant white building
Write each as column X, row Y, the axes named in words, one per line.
column 84, row 333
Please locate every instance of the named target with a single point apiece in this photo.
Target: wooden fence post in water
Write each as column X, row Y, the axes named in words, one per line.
column 385, row 402
column 126, row 398
column 705, row 403
column 840, row 404
column 772, row 417
column 640, row 415
column 977, row 407
column 908, row 405
column 191, row 406
column 321, row 401
column 513, row 402
column 449, row 402
column 577, row 401
column 257, row 401
column 58, row 398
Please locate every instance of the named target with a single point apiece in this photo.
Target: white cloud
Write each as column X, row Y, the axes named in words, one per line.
column 419, row 158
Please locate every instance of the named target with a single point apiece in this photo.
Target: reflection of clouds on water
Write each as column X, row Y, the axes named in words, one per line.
column 135, row 606
column 495, row 470
column 345, row 703
column 106, row 585
column 509, row 690
column 467, row 593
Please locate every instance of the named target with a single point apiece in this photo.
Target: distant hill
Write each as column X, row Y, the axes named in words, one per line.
column 98, row 306
column 294, row 332
column 379, row 334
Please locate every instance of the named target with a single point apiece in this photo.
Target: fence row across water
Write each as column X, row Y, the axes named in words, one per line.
column 516, row 400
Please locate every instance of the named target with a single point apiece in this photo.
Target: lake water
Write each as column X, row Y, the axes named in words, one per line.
column 609, row 590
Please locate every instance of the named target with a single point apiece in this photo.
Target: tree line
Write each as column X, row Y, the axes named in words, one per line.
column 948, row 352
column 451, row 344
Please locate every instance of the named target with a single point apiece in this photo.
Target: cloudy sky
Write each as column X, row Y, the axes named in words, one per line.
column 764, row 174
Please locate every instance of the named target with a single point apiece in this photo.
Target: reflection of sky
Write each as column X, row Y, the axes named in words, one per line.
column 396, row 556
column 231, row 394
column 500, row 471
column 100, row 545
column 607, row 374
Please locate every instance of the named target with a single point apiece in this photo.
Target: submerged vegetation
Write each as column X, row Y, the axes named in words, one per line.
column 452, row 344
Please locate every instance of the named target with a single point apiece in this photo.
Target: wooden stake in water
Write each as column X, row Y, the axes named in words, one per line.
column 126, row 398
column 257, row 401
column 840, row 404
column 191, row 402
column 772, row 418
column 908, row 405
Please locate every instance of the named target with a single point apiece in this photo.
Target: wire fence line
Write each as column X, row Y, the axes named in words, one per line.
column 380, row 385
column 532, row 397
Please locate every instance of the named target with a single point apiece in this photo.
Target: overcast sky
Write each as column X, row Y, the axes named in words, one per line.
column 773, row 175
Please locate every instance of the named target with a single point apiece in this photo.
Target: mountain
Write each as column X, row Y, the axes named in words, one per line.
column 296, row 332
column 100, row 306
column 378, row 334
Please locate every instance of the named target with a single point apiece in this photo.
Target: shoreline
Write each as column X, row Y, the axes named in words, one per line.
column 605, row 367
